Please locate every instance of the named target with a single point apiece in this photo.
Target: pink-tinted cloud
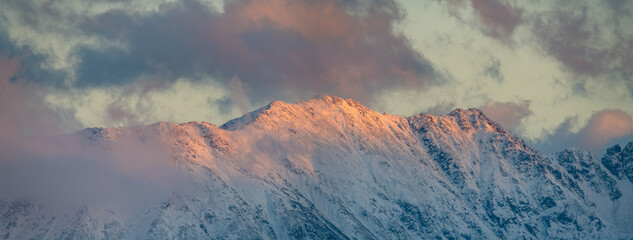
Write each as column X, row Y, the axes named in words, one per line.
column 22, row 107
column 606, row 125
column 280, row 49
column 327, row 47
column 604, row 128
column 508, row 114
column 318, row 20
column 9, row 101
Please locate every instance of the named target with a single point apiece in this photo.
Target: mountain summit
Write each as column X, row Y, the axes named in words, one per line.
column 330, row 168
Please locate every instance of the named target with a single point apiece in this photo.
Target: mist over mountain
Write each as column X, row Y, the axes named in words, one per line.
column 326, row 168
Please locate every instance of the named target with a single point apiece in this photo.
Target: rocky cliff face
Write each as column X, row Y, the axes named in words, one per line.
column 332, row 168
column 620, row 161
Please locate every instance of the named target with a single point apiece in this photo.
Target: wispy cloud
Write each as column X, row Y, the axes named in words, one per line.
column 496, row 18
column 499, row 18
column 590, row 41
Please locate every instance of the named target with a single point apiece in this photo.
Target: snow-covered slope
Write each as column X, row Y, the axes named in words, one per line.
column 330, row 168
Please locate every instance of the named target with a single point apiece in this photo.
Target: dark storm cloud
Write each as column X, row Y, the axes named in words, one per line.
column 278, row 48
column 603, row 129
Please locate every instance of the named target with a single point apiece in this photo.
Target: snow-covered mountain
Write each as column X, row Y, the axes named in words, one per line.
column 330, row 168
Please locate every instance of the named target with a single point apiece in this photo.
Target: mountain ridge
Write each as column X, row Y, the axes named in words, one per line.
column 345, row 105
column 332, row 168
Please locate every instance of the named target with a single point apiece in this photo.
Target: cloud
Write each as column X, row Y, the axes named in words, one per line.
column 288, row 49
column 591, row 40
column 441, row 108
column 575, row 36
column 10, row 102
column 30, row 62
column 133, row 105
column 604, row 128
column 508, row 114
column 498, row 18
column 71, row 171
column 495, row 18
column 238, row 94
column 494, row 71
column 24, row 111
column 39, row 162
column 607, row 125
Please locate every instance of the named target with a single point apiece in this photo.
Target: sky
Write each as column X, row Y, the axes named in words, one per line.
column 556, row 73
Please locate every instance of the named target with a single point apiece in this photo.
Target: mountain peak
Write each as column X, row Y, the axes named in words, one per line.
column 476, row 119
column 337, row 100
column 286, row 111
column 470, row 111
column 614, row 149
column 468, row 120
column 246, row 119
column 328, row 98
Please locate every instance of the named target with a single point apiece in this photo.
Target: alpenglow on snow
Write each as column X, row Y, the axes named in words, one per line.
column 330, row 168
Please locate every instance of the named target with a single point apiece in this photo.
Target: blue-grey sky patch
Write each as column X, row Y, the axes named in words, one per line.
column 493, row 70
column 107, row 67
